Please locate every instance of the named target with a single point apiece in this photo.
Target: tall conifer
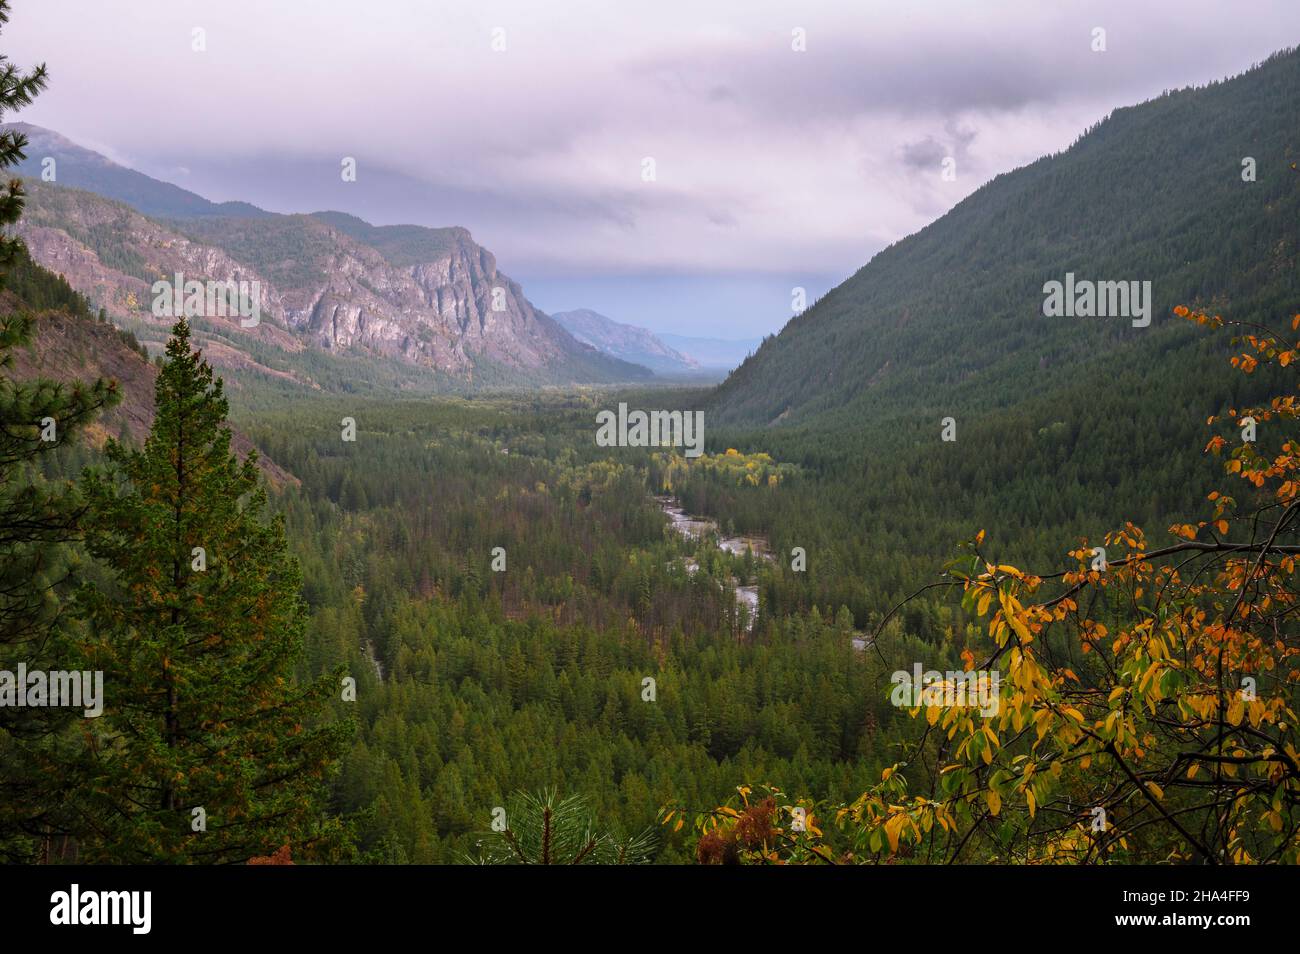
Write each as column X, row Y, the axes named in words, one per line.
column 207, row 750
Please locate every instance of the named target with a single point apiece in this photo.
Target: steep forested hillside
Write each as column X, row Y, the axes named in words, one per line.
column 1064, row 427
column 950, row 320
column 930, row 398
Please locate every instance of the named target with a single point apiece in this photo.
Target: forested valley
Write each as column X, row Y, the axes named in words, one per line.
column 474, row 683
column 341, row 619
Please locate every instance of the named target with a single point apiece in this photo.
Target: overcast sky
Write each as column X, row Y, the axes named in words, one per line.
column 773, row 167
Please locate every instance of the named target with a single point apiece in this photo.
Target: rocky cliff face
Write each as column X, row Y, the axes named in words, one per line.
column 341, row 293
column 319, row 285
column 113, row 255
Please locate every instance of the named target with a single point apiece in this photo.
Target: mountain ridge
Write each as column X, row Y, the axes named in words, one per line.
column 428, row 298
column 82, row 168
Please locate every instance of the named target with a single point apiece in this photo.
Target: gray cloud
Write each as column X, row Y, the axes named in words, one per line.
column 769, row 160
column 929, row 152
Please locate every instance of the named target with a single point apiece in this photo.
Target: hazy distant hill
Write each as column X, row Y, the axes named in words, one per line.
column 627, row 342
column 950, row 319
column 713, row 352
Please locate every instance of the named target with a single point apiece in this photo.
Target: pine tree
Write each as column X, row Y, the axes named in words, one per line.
column 36, row 519
column 206, row 751
column 544, row 829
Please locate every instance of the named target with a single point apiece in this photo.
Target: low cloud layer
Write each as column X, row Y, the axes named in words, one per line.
column 767, row 160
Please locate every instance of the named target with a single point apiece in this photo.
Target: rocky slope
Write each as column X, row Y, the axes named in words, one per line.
column 430, row 299
column 340, row 293
column 69, row 345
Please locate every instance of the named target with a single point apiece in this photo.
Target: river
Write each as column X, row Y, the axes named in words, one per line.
column 699, row 528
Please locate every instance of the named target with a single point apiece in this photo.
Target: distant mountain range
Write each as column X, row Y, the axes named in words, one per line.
column 667, row 355
column 627, row 342
column 403, row 305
